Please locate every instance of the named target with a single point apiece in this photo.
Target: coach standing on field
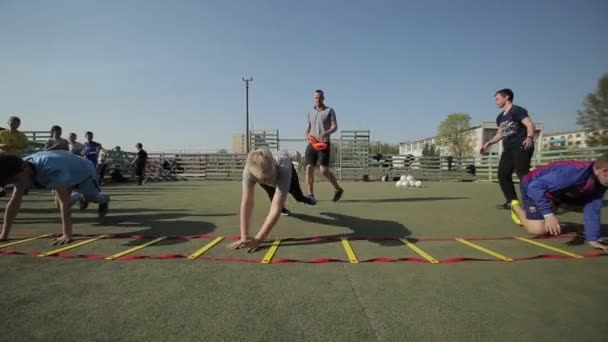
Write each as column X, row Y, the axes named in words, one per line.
column 516, row 130
column 321, row 124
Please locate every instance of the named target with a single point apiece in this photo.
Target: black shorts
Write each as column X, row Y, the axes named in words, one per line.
column 314, row 157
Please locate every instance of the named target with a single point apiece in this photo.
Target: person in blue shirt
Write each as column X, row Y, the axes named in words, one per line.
column 71, row 177
column 570, row 185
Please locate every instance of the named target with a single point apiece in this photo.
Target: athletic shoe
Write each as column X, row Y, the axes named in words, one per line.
column 285, row 212
column 338, row 195
column 83, row 204
column 514, row 216
column 310, row 200
column 505, row 206
column 103, row 210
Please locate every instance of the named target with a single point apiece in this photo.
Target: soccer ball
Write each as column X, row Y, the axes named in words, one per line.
column 409, row 178
column 398, row 184
column 403, row 178
column 418, row 184
column 412, row 183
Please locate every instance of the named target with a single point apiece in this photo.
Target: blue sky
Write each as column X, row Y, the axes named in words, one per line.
column 168, row 73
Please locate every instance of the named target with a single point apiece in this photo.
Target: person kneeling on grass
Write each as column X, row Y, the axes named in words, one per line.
column 61, row 171
column 563, row 184
column 278, row 177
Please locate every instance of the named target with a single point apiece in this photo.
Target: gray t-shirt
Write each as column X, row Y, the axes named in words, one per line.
column 320, row 121
column 284, row 169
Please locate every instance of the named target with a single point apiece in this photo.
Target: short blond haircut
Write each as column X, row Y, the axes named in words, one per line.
column 262, row 166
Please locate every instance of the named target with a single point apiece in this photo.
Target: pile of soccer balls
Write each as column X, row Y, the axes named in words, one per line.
column 408, row 181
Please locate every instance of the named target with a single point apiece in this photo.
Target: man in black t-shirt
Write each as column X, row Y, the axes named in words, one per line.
column 140, row 163
column 516, row 130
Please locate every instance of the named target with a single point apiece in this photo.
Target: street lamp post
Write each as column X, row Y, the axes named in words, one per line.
column 247, row 138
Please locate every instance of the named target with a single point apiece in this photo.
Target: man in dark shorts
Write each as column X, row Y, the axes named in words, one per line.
column 322, row 124
column 569, row 185
column 516, row 130
column 140, row 163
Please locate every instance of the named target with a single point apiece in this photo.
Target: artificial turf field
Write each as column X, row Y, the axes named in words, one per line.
column 77, row 299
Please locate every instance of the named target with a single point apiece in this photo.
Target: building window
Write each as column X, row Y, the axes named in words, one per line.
column 570, row 136
column 578, row 142
column 570, row 143
column 563, row 137
column 578, row 135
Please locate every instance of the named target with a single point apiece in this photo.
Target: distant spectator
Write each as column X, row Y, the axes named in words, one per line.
column 57, row 142
column 75, row 146
column 91, row 148
column 12, row 141
column 140, row 163
column 102, row 165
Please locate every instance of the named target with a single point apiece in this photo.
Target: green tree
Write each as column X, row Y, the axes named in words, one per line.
column 222, row 151
column 454, row 134
column 383, row 148
column 425, row 150
column 594, row 116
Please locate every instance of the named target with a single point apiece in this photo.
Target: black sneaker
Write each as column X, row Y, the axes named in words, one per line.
column 285, row 212
column 103, row 210
column 310, row 200
column 505, row 206
column 83, row 204
column 338, row 195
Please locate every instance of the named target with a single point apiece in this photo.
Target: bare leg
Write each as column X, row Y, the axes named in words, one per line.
column 330, row 176
column 534, row 227
column 310, row 178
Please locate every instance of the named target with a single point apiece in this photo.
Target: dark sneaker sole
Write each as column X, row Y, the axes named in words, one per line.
column 338, row 195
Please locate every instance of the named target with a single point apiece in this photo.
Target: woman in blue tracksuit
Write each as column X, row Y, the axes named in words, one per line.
column 563, row 184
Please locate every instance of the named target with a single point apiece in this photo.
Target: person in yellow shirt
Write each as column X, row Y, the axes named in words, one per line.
column 12, row 141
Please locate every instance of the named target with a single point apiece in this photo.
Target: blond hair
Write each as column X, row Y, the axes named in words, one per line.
column 262, row 166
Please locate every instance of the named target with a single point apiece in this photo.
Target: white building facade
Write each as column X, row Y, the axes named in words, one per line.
column 479, row 134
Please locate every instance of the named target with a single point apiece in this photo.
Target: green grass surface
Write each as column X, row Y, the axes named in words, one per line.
column 55, row 299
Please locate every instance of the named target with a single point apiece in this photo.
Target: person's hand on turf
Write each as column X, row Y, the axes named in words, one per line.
column 253, row 246
column 62, row 240
column 242, row 243
column 598, row 245
column 552, row 225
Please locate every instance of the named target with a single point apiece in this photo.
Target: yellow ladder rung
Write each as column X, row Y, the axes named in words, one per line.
column 555, row 249
column 352, row 257
column 25, row 240
column 206, row 248
column 420, row 252
column 485, row 250
column 76, row 245
column 136, row 248
column 271, row 252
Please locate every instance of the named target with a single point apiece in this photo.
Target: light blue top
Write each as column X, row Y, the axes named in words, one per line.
column 54, row 169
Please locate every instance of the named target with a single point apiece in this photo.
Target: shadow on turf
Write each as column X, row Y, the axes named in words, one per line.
column 359, row 227
column 579, row 239
column 153, row 223
column 399, row 200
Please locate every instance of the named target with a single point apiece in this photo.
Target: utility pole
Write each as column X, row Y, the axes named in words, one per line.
column 247, row 138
